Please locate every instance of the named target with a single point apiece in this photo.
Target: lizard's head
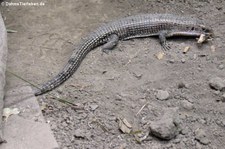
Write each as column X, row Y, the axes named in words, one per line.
column 207, row 31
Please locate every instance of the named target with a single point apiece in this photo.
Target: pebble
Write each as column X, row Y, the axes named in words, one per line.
column 217, row 83
column 60, row 90
column 171, row 61
column 187, row 105
column 202, row 121
column 183, row 60
column 216, row 92
column 166, row 128
column 223, row 98
column 162, row 95
column 182, row 85
column 64, row 124
column 79, row 134
column 221, row 66
column 185, row 131
column 93, row 107
column 195, row 56
column 223, row 122
column 138, row 75
column 200, row 136
column 176, row 141
column 208, row 58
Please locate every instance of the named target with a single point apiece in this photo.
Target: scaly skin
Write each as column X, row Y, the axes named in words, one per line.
column 162, row 25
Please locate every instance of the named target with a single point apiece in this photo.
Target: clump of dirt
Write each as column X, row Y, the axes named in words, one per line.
column 128, row 83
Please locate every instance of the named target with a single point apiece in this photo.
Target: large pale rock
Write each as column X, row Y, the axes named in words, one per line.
column 3, row 58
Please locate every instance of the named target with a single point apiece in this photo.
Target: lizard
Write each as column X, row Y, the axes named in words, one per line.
column 143, row 25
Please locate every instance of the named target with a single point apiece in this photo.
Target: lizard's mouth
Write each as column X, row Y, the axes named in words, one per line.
column 209, row 36
column 208, row 32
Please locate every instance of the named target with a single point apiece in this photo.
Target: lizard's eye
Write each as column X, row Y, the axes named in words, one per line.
column 207, row 30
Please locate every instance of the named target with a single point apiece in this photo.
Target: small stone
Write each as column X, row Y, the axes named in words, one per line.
column 187, row 105
column 93, row 107
column 199, row 69
column 183, row 60
column 64, row 124
column 171, row 61
column 202, row 121
column 184, row 131
column 213, row 48
column 123, row 146
column 216, row 92
column 223, row 98
column 60, row 90
column 167, row 127
column 207, row 58
column 182, row 85
column 217, row 83
column 195, row 56
column 162, row 95
column 219, row 8
column 223, row 122
column 164, row 129
column 138, row 75
column 176, row 141
column 198, row 146
column 221, row 66
column 79, row 134
column 202, row 55
column 200, row 136
column 190, row 100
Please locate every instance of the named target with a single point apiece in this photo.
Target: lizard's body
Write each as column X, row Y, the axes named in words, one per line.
column 108, row 35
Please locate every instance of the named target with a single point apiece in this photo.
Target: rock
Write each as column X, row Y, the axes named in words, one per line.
column 64, row 124
column 223, row 98
column 93, row 107
column 221, row 66
column 185, row 131
column 195, row 56
column 80, row 134
column 216, row 92
column 200, row 136
column 171, row 61
column 167, row 127
column 217, row 83
column 187, row 105
column 183, row 60
column 162, row 95
column 223, row 123
column 182, row 85
column 176, row 141
column 138, row 75
column 164, row 129
column 60, row 90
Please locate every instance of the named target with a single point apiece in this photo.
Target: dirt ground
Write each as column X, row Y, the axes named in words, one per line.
column 124, row 83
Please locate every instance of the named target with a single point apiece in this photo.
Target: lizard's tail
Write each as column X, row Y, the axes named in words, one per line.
column 68, row 70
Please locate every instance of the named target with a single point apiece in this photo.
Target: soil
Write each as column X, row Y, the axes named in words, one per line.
column 125, row 83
